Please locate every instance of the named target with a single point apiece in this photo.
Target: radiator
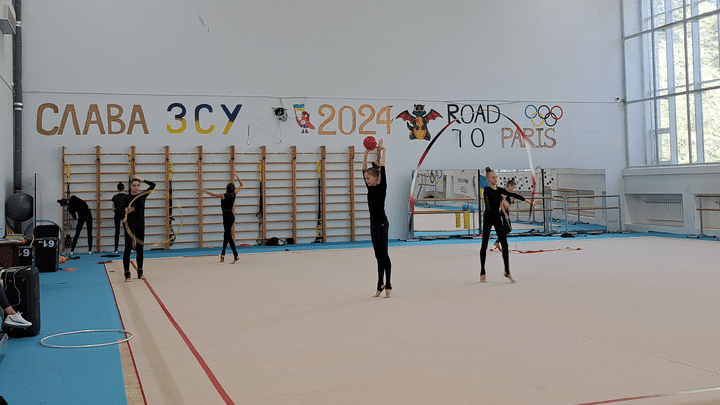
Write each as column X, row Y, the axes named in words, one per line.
column 658, row 209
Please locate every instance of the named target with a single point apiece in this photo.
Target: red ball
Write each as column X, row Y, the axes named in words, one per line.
column 370, row 143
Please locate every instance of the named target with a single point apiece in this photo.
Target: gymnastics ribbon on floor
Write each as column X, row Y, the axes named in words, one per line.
column 567, row 249
column 135, row 239
column 526, row 143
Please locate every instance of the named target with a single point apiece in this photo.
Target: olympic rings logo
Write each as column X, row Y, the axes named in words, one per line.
column 546, row 115
column 435, row 176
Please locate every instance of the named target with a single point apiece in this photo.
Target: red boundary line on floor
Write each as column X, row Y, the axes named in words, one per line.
column 218, row 387
column 612, row 401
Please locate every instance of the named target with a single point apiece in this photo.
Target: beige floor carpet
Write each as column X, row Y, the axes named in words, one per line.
column 619, row 319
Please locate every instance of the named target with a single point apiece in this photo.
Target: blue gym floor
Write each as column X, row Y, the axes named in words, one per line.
column 82, row 299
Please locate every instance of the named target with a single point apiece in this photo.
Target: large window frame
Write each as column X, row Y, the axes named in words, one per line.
column 672, row 81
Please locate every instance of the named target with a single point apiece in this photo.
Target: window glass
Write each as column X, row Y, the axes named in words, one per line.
column 681, row 130
column 709, row 66
column 706, row 6
column 672, row 67
column 711, row 125
column 677, row 34
column 663, row 114
column 658, row 9
column 664, row 147
column 661, row 65
column 690, row 53
column 638, row 79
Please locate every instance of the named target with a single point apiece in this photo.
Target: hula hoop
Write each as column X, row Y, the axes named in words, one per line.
column 142, row 242
column 42, row 341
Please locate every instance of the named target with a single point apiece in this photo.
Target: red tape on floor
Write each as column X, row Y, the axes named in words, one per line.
column 218, row 387
column 613, row 401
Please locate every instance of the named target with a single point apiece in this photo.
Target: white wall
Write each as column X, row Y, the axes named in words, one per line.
column 681, row 185
column 266, row 54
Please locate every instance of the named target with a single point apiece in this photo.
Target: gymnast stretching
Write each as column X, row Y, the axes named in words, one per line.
column 81, row 212
column 493, row 196
column 134, row 205
column 227, row 201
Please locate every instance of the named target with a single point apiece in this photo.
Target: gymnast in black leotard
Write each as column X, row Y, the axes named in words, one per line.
column 118, row 212
column 81, row 212
column 505, row 210
column 227, row 201
column 379, row 226
column 134, row 206
column 493, row 196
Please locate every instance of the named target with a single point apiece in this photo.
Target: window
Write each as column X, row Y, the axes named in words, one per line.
column 672, row 80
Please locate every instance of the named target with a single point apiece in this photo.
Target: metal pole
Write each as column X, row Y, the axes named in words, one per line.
column 17, row 99
column 702, row 231
column 566, row 214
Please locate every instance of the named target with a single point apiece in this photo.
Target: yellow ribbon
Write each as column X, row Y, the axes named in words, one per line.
column 140, row 241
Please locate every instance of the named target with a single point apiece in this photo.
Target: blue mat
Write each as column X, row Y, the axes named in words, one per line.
column 69, row 301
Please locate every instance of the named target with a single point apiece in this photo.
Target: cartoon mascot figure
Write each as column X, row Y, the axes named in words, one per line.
column 304, row 122
column 417, row 122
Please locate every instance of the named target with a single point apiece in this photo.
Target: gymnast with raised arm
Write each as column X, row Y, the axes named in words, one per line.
column 227, row 201
column 376, row 183
column 135, row 224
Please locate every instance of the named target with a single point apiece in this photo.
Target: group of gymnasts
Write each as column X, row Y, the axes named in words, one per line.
column 496, row 216
column 130, row 209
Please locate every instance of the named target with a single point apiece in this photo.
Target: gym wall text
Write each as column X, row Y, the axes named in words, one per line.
column 115, row 120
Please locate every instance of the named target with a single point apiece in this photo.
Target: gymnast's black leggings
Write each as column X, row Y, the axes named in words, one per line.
column 88, row 223
column 488, row 223
column 379, row 236
column 139, row 232
column 228, row 221
column 118, row 225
